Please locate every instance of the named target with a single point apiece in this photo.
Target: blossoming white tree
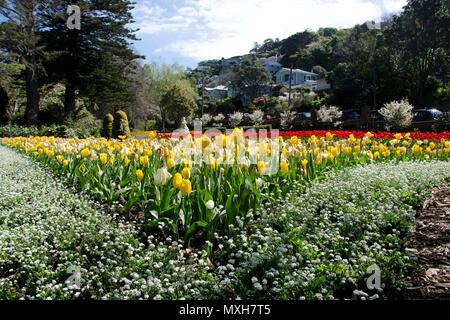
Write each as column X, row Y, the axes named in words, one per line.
column 329, row 114
column 218, row 120
column 257, row 117
column 397, row 114
column 236, row 119
column 287, row 119
column 206, row 119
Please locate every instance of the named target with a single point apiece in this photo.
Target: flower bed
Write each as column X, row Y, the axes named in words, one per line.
column 168, row 182
column 313, row 243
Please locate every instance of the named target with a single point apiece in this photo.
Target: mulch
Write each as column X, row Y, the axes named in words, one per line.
column 429, row 246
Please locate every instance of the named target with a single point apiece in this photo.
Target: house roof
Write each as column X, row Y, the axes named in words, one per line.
column 217, row 88
column 284, row 70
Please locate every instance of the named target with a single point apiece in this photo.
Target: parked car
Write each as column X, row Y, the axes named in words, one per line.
column 350, row 115
column 426, row 115
column 304, row 116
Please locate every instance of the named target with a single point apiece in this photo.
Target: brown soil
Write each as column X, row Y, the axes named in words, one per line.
column 429, row 246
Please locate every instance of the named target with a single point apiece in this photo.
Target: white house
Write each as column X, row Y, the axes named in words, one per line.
column 271, row 64
column 217, row 93
column 230, row 62
column 299, row 77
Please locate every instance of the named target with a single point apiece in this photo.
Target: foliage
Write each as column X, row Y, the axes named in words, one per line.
column 107, row 130
column 218, row 120
column 329, row 115
column 235, row 119
column 95, row 61
column 257, row 117
column 178, row 101
column 120, row 115
column 251, row 78
column 206, row 119
column 397, row 114
column 443, row 124
column 287, row 119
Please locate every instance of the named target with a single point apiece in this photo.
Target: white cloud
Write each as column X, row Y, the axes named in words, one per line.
column 224, row 28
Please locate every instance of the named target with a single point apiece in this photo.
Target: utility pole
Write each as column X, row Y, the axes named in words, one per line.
column 203, row 94
column 290, row 85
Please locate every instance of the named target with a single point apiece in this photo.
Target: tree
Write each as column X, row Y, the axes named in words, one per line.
column 398, row 114
column 13, row 85
column 251, row 78
column 96, row 60
column 421, row 36
column 178, row 101
column 19, row 43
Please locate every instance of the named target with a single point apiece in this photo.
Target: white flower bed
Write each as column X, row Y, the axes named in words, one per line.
column 49, row 235
column 318, row 244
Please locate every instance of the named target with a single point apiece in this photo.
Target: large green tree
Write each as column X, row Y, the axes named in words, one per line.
column 251, row 78
column 19, row 43
column 178, row 101
column 96, row 60
column 421, row 38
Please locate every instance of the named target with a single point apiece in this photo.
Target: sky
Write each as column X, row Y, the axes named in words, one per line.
column 189, row 31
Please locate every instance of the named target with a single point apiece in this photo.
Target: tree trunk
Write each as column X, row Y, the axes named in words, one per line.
column 69, row 101
column 31, row 78
column 4, row 102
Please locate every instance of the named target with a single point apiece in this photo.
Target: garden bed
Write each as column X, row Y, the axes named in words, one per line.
column 312, row 244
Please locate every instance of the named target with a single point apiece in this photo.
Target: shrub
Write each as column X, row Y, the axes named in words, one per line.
column 84, row 120
column 236, row 119
column 218, row 120
column 397, row 114
column 206, row 119
column 257, row 117
column 287, row 119
column 107, row 130
column 329, row 115
column 120, row 115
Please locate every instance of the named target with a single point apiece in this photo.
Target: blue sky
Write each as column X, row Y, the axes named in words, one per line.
column 189, row 31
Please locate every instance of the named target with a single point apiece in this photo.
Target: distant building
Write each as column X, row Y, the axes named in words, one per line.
column 217, row 93
column 298, row 76
column 230, row 62
column 272, row 64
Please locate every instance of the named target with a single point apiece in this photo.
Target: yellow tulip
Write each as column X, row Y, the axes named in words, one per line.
column 319, row 160
column 304, row 163
column 186, row 173
column 294, row 140
column 143, row 160
column 177, row 180
column 284, row 167
column 59, row 158
column 170, row 163
column 65, row 162
column 127, row 161
column 140, row 175
column 85, row 153
column 261, row 167
column 103, row 158
column 186, row 187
